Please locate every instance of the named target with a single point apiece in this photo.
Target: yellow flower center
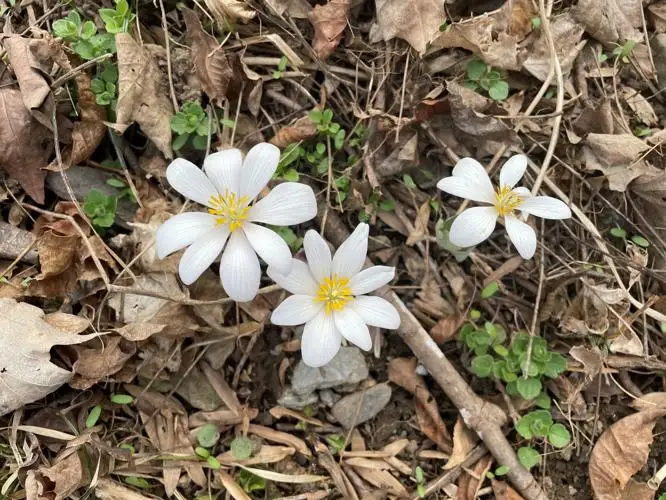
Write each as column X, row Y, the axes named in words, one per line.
column 229, row 209
column 334, row 293
column 506, row 200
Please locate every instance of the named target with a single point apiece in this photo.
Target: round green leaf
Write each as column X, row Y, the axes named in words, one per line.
column 556, row 365
column 490, row 290
column 558, row 436
column 208, row 435
column 122, row 399
column 528, row 388
column 93, row 416
column 482, row 365
column 499, row 91
column 241, row 448
column 640, row 241
column 475, row 69
column 618, row 232
column 528, row 457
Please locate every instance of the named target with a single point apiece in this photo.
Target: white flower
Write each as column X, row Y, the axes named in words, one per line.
column 329, row 297
column 227, row 186
column 469, row 180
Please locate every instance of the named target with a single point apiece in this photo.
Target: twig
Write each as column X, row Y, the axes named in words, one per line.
column 451, row 475
column 73, row 72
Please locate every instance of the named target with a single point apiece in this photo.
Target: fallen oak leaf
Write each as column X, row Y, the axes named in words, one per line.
column 329, row 23
column 26, row 372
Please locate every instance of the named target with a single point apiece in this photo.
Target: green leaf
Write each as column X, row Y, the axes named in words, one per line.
column 558, row 436
column 528, row 388
column 85, row 49
column 316, row 116
column 97, row 86
column 213, row 463
column 556, row 365
column 226, row 122
column 93, row 416
column 409, row 182
column 320, row 148
column 88, row 30
column 291, row 175
column 122, row 7
column 543, row 401
column 74, row 17
column 127, row 446
column 418, row 475
column 475, row 69
column 179, row 141
column 202, row 452
column 339, row 139
column 337, row 442
column 65, row 29
column 491, row 289
column 110, row 88
column 640, row 241
column 200, row 142
column 482, row 366
column 116, row 183
column 250, row 482
column 282, row 65
column 327, row 115
column 107, row 15
column 420, row 489
column 208, row 435
column 137, row 482
column 499, row 91
column 528, row 457
column 122, row 399
column 501, row 470
column 386, row 205
column 536, row 22
column 501, row 350
column 241, row 448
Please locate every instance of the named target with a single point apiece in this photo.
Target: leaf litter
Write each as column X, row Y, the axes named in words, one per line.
column 109, row 359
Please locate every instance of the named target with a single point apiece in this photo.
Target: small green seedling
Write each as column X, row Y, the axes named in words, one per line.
column 480, row 75
column 83, row 36
column 282, row 65
column 241, row 448
column 93, row 416
column 623, row 51
column 336, row 442
column 528, row 457
column 122, row 399
column 100, row 208
column 419, row 479
column 138, row 482
column 250, row 482
column 191, row 125
column 208, row 435
column 117, row 20
column 105, row 86
column 539, row 425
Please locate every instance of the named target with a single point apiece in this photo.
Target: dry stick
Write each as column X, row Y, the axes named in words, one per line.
column 485, row 418
column 451, row 475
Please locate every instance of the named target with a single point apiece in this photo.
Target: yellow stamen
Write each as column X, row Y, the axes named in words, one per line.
column 335, row 293
column 506, row 200
column 230, row 209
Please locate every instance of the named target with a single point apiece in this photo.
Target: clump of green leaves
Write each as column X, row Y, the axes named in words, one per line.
column 539, row 425
column 100, row 208
column 282, row 65
column 83, row 36
column 623, row 51
column 637, row 239
column 336, row 443
column 191, row 125
column 117, row 20
column 105, row 86
column 484, row 77
column 250, row 482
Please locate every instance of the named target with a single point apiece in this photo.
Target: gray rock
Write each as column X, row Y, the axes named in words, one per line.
column 361, row 406
column 196, row 390
column 347, row 367
column 82, row 180
column 13, row 241
column 328, row 397
column 290, row 399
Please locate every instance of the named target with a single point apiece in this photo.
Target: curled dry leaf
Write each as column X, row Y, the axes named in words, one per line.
column 416, row 21
column 470, row 482
column 620, row 452
column 329, row 23
column 611, row 21
column 446, row 328
column 58, row 481
column 142, row 94
column 402, row 371
column 503, row 491
column 95, row 364
column 420, row 224
column 301, row 129
column 27, row 373
column 650, row 401
column 27, row 144
column 230, row 10
column 463, row 441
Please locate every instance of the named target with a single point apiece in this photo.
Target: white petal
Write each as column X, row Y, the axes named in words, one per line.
column 239, row 269
column 296, row 310
column 376, row 311
column 287, row 203
column 188, row 179
column 270, row 246
column 352, row 327
column 371, row 279
column 350, row 256
column 546, row 207
column 182, row 230
column 522, row 191
column 321, row 340
column 513, row 170
column 224, row 168
column 258, row 168
column 522, row 236
column 473, row 172
column 318, row 255
column 473, row 226
column 201, row 254
column 298, row 281
column 466, row 189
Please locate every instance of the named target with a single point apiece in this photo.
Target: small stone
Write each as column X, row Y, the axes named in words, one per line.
column 328, row 397
column 361, row 406
column 347, row 367
column 196, row 390
column 290, row 399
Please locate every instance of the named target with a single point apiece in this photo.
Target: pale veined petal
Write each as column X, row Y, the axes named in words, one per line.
column 298, row 281
column 463, row 188
column 473, row 226
column 270, row 246
column 472, row 171
column 371, row 279
column 522, row 236
column 351, row 326
column 201, row 254
column 350, row 256
column 318, row 255
column 546, row 207
column 513, row 170
column 522, row 191
column 189, row 180
column 223, row 169
column 182, row 230
column 287, row 203
column 239, row 269
column 376, row 311
column 321, row 340
column 258, row 168
column 296, row 310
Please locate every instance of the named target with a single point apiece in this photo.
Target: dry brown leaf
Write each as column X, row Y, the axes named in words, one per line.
column 329, row 23
column 105, row 489
column 446, row 328
column 142, row 94
column 611, row 21
column 520, row 17
column 209, row 58
column 420, row 224
column 27, row 144
column 402, row 371
column 503, row 491
column 139, row 331
column 618, row 157
column 650, row 401
column 620, row 452
column 469, row 484
column 301, row 129
column 639, row 105
column 230, row 10
column 266, row 455
column 232, row 487
column 95, row 364
column 56, row 253
column 27, row 373
column 657, row 15
column 280, row 437
column 417, row 21
column 58, row 481
column 463, row 441
column 382, row 480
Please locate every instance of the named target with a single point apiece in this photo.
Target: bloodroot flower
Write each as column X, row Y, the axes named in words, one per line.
column 329, row 297
column 227, row 186
column 469, row 180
